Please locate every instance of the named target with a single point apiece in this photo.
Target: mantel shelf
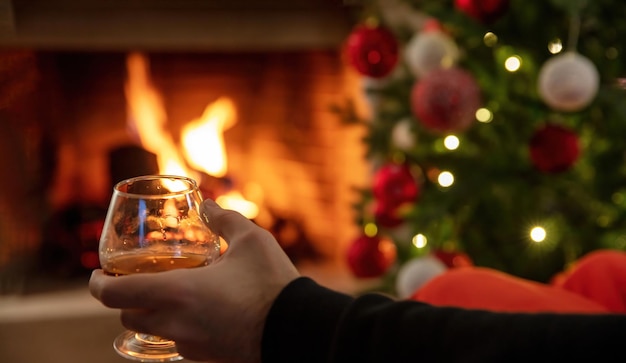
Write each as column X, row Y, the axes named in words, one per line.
column 173, row 25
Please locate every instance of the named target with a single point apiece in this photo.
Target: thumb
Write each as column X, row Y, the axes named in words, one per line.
column 229, row 224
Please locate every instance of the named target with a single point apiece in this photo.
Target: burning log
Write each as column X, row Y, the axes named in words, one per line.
column 130, row 161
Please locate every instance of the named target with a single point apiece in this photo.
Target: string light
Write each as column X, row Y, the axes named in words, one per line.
column 538, row 234
column 370, row 229
column 620, row 242
column 490, row 39
column 445, row 179
column 543, row 235
column 419, row 240
column 611, row 53
column 513, row 63
column 484, row 115
column 451, row 142
column 555, row 46
column 618, row 198
column 603, row 221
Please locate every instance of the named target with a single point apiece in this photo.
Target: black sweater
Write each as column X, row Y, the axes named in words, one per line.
column 311, row 324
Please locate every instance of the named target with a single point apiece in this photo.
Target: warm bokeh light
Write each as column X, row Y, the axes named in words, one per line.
column 419, row 240
column 387, row 249
column 370, row 229
column 555, row 46
column 490, row 39
column 445, row 179
column 233, row 200
column 513, row 63
column 611, row 53
column 537, row 234
column 618, row 198
column 451, row 142
column 484, row 115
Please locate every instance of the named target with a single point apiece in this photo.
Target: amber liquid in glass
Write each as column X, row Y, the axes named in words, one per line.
column 144, row 262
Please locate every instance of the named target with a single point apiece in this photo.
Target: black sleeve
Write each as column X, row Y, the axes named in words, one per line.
column 311, row 324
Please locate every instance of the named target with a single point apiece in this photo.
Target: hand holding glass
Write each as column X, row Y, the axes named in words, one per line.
column 153, row 224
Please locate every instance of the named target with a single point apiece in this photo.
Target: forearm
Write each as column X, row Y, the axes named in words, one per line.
column 302, row 323
column 309, row 323
column 376, row 329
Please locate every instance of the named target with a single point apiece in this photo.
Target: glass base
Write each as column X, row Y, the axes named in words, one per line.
column 145, row 348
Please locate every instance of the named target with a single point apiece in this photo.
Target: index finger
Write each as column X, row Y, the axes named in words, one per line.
column 138, row 291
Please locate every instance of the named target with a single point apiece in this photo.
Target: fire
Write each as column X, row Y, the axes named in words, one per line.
column 202, row 139
column 235, row 201
column 147, row 118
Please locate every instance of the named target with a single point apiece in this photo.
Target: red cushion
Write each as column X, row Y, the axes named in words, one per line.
column 599, row 276
column 487, row 289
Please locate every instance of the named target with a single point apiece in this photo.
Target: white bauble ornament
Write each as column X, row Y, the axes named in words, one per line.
column 400, row 14
column 568, row 82
column 402, row 135
column 417, row 272
column 428, row 50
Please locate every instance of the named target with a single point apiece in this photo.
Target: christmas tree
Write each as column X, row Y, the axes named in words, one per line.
column 496, row 133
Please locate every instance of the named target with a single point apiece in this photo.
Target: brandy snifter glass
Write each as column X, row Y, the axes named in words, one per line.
column 153, row 224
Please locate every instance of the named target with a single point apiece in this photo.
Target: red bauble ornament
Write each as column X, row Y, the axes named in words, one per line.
column 388, row 215
column 485, row 11
column 372, row 51
column 446, row 100
column 554, row 148
column 370, row 256
column 394, row 184
column 453, row 259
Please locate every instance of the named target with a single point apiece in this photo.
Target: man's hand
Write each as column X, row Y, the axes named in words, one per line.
column 215, row 312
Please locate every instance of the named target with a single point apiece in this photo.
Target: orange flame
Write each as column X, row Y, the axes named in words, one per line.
column 203, row 140
column 147, row 117
column 235, row 201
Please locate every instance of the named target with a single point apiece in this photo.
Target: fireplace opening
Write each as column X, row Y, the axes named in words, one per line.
column 69, row 136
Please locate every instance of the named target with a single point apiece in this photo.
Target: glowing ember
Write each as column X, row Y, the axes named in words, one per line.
column 235, row 201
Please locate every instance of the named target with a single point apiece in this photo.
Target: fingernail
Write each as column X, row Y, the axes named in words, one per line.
column 207, row 203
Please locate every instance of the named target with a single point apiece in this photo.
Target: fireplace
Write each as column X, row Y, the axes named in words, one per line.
column 67, row 122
